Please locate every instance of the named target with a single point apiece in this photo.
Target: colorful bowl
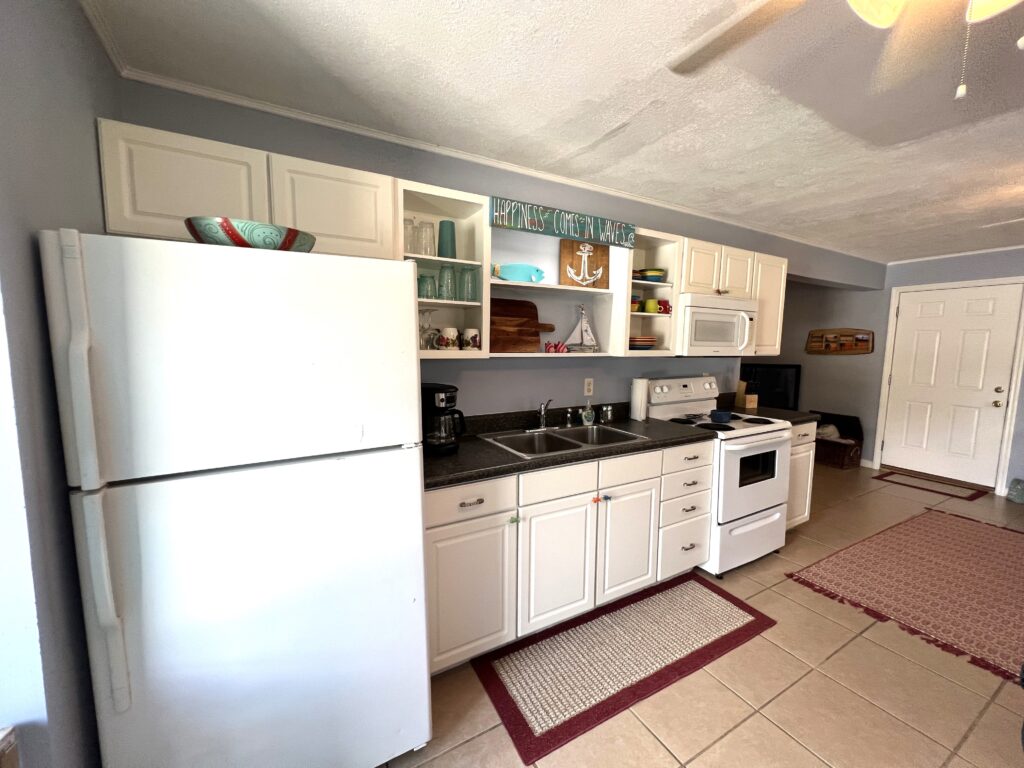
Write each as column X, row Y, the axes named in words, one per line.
column 242, row 233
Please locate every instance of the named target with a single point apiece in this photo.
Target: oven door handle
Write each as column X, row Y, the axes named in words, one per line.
column 734, row 446
column 739, row 531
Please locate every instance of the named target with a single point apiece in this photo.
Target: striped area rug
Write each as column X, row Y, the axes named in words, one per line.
column 553, row 686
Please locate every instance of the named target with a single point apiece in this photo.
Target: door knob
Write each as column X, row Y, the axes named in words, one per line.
column 1000, row 389
column 997, row 403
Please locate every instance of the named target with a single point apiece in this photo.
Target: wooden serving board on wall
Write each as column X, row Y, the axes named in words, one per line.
column 514, row 326
column 569, row 256
column 840, row 341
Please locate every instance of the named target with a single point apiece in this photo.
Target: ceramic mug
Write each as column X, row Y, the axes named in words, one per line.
column 449, row 338
column 664, row 307
column 651, row 305
column 471, row 338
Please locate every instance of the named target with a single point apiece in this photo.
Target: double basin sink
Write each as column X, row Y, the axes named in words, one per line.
column 530, row 444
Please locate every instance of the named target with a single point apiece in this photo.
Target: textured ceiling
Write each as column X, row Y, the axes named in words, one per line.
column 819, row 128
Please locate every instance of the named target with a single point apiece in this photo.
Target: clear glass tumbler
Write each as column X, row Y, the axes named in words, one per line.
column 425, row 242
column 467, row 284
column 446, row 282
column 409, row 236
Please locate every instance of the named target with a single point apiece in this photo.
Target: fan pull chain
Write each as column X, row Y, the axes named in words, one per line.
column 961, row 90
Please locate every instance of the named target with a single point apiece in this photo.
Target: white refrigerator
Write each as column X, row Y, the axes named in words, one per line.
column 241, row 430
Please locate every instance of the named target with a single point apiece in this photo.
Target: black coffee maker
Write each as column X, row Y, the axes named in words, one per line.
column 442, row 421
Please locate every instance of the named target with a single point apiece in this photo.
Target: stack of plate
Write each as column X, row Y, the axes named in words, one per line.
column 642, row 342
column 651, row 275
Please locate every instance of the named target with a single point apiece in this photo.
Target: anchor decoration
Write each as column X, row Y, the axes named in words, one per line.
column 583, row 265
column 586, row 249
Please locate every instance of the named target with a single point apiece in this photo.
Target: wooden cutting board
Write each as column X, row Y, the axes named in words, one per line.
column 514, row 326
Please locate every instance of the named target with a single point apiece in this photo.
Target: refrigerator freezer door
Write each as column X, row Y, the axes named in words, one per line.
column 175, row 357
column 260, row 618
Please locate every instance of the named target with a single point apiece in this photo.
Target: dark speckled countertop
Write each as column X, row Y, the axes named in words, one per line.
column 478, row 459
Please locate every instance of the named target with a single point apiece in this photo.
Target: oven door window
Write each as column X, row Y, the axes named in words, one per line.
column 757, row 468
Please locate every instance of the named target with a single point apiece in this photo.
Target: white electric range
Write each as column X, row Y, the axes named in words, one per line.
column 751, row 481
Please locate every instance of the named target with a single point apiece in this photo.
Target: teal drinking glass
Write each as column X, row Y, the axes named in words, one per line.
column 467, row 284
column 446, row 282
column 446, row 239
column 426, row 287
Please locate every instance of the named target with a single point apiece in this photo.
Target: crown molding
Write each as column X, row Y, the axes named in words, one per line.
column 95, row 16
column 958, row 255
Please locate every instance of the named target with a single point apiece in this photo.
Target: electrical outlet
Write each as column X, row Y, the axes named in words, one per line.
column 588, row 387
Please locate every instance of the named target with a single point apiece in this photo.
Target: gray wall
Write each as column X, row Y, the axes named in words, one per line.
column 54, row 80
column 840, row 384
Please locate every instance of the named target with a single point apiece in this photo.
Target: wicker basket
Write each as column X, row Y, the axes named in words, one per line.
column 845, row 452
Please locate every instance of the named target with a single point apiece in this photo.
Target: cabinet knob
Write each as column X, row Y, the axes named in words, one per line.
column 514, row 519
column 688, row 548
column 606, row 497
column 596, row 499
column 692, row 482
column 467, row 504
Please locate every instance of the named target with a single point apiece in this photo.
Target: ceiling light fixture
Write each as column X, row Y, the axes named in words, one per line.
column 980, row 10
column 880, row 13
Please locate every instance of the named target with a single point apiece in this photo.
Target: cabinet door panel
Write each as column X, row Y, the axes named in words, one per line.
column 471, row 588
column 683, row 546
column 351, row 212
column 153, row 180
column 556, row 561
column 770, row 292
column 801, row 478
column 737, row 279
column 627, row 526
column 702, row 267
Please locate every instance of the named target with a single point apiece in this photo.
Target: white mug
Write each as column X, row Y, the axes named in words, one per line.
column 449, row 338
column 471, row 338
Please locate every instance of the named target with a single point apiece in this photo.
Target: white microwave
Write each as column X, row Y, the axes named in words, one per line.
column 714, row 326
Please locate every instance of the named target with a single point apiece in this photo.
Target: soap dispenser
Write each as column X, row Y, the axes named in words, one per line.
column 587, row 415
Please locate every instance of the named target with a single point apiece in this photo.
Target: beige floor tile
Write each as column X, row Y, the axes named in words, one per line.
column 493, row 749
column 989, row 509
column 756, row 743
column 758, row 670
column 460, row 709
column 826, row 533
column 621, row 742
column 958, row 762
column 807, row 635
column 872, row 512
column 1012, row 697
column 847, row 615
column 768, row 570
column 995, row 740
column 691, row 714
column 934, row 705
column 930, row 498
column 735, row 582
column 848, row 732
column 805, row 551
column 955, row 668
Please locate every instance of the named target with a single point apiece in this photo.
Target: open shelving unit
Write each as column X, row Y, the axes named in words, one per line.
column 423, row 202
column 652, row 249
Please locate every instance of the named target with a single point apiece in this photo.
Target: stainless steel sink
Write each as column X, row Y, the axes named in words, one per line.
column 543, row 442
column 599, row 435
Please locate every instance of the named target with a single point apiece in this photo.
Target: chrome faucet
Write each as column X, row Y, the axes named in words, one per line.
column 543, row 413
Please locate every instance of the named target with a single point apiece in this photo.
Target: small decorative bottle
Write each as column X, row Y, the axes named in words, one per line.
column 587, row 415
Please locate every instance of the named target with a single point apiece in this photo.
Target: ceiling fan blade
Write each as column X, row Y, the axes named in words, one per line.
column 920, row 38
column 736, row 29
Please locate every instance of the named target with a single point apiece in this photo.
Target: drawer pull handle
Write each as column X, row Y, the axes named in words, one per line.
column 804, row 434
column 690, row 509
column 692, row 482
column 692, row 458
column 687, row 549
column 467, row 504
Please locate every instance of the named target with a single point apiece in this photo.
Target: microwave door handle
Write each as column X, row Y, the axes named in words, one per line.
column 746, row 330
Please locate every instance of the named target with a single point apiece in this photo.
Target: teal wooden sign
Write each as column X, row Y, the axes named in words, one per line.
column 541, row 220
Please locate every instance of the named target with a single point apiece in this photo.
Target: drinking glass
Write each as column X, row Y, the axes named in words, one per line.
column 426, row 287
column 409, row 243
column 425, row 238
column 446, row 282
column 446, row 239
column 467, row 284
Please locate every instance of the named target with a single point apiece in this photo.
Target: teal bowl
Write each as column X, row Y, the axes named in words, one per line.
column 242, row 233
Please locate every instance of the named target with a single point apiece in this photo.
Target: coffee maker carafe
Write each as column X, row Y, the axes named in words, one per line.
column 442, row 421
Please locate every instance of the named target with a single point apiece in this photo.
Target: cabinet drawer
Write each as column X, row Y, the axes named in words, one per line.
column 548, row 484
column 464, row 502
column 688, row 456
column 804, row 433
column 629, row 469
column 685, row 507
column 686, row 482
column 683, row 546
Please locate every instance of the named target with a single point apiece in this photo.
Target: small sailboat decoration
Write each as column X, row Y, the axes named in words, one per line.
column 582, row 338
column 584, row 252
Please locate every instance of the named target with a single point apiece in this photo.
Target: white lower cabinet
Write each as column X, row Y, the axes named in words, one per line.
column 801, row 478
column 471, row 587
column 556, row 561
column 627, row 542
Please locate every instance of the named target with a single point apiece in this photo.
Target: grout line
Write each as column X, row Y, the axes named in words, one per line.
column 970, row 729
column 925, row 666
column 648, row 729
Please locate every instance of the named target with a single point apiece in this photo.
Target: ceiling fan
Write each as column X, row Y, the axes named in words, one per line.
column 907, row 20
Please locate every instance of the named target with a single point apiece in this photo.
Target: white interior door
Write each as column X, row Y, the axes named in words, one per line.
column 950, row 383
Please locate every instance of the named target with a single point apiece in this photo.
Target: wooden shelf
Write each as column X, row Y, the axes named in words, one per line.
column 442, row 303
column 451, row 354
column 499, row 283
column 650, row 314
column 664, row 352
column 650, row 284
column 559, row 355
column 438, row 261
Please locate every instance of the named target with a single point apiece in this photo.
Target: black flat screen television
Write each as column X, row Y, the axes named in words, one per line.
column 777, row 384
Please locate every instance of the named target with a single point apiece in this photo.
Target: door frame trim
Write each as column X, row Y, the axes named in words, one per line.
column 1016, row 373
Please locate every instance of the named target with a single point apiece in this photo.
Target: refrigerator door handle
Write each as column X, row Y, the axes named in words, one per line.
column 103, row 595
column 79, row 373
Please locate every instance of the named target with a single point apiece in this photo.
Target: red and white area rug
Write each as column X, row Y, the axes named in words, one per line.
column 553, row 686
column 957, row 582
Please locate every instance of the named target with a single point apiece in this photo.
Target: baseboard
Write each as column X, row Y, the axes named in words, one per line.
column 868, row 463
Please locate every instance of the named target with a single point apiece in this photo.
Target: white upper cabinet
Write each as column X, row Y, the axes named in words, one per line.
column 770, row 292
column 153, row 180
column 351, row 212
column 737, row 279
column 702, row 267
